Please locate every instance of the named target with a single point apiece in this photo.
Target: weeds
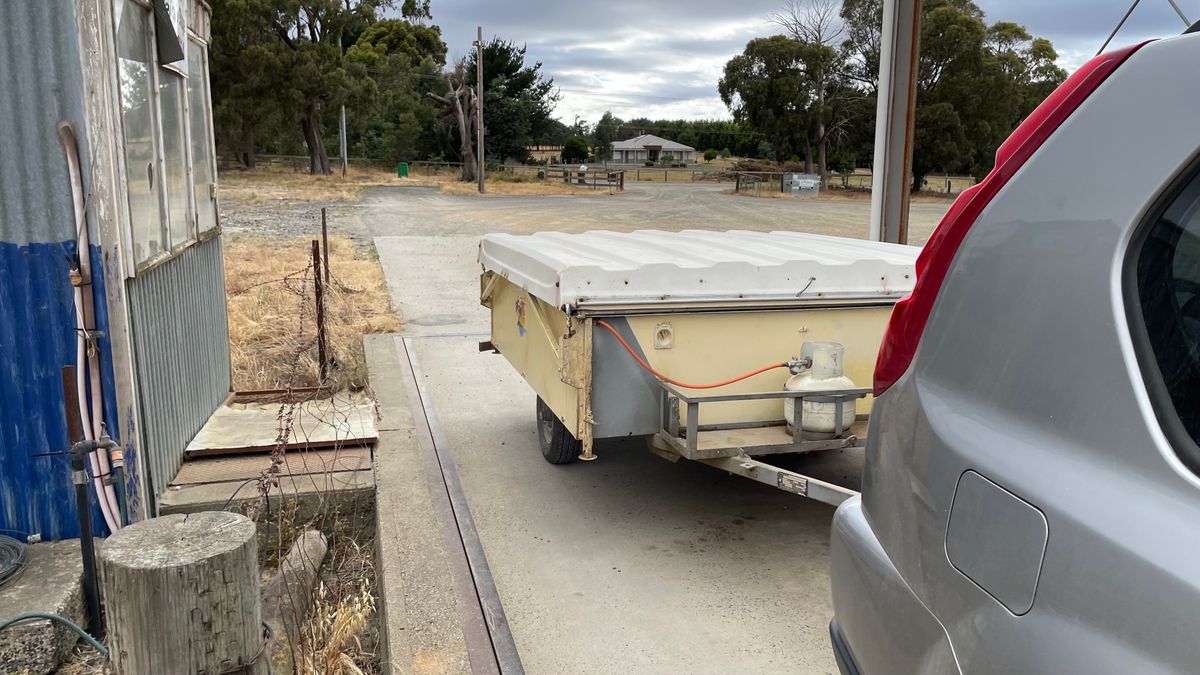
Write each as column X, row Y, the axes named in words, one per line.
column 268, row 285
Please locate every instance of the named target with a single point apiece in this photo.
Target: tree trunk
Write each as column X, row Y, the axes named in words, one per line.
column 808, row 163
column 318, row 160
column 181, row 594
column 467, row 145
column 822, row 168
column 822, row 141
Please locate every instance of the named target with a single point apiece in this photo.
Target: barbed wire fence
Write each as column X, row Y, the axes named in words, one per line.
column 302, row 487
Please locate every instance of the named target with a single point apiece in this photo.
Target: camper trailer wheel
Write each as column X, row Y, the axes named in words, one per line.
column 558, row 445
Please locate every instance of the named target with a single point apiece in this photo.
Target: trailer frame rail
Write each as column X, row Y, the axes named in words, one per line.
column 733, row 446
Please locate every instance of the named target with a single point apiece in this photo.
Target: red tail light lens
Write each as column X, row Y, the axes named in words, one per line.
column 910, row 315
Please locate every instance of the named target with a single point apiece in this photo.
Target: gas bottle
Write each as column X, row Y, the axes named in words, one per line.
column 825, row 373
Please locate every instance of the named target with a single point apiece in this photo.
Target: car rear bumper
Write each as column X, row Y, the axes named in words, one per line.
column 880, row 626
column 841, row 651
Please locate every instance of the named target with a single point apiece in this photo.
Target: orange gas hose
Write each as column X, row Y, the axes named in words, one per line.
column 675, row 382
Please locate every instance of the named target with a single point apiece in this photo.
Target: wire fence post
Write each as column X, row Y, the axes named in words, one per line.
column 325, row 243
column 319, row 291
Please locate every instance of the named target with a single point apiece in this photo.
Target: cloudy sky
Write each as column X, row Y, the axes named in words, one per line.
column 662, row 58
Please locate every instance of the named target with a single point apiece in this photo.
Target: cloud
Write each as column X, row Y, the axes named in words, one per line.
column 663, row 58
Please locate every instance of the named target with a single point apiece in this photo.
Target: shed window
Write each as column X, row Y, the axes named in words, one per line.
column 138, row 118
column 165, row 113
column 175, row 163
column 203, row 173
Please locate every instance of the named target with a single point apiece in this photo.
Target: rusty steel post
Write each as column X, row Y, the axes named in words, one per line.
column 319, row 292
column 325, row 244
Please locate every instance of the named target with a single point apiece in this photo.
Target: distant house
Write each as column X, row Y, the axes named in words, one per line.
column 551, row 154
column 648, row 147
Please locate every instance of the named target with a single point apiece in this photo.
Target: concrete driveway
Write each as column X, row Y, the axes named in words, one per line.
column 629, row 563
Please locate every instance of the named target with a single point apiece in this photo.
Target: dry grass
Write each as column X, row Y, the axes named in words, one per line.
column 332, row 633
column 339, row 637
column 269, row 184
column 272, row 313
column 527, row 189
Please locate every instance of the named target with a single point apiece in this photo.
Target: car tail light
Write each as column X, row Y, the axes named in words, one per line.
column 910, row 315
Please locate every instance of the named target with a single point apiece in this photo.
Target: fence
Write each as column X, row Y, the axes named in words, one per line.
column 936, row 184
column 943, row 184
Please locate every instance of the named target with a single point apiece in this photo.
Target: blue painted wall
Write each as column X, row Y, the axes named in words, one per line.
column 37, row 339
column 42, row 83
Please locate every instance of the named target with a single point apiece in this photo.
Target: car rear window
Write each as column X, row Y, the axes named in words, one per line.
column 1166, row 315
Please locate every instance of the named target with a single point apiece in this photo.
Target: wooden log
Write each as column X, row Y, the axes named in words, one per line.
column 287, row 596
column 181, row 595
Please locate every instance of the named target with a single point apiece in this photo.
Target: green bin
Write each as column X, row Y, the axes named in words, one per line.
column 402, row 170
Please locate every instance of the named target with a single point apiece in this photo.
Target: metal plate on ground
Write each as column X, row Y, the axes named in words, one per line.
column 343, row 420
column 296, row 463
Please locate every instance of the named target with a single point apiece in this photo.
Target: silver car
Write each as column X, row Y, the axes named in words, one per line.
column 1030, row 500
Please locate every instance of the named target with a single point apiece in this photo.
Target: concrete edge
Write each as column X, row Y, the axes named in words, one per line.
column 420, row 620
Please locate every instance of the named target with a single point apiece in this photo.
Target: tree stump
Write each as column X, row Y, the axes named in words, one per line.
column 181, row 595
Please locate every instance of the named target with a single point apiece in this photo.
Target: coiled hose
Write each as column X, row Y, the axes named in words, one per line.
column 12, row 559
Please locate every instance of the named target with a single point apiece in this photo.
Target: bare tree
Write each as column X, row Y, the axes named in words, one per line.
column 816, row 22
column 460, row 99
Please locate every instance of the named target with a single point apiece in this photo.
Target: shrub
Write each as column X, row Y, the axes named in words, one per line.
column 710, row 155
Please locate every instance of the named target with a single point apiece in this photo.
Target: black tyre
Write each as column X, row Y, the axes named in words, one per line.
column 558, row 445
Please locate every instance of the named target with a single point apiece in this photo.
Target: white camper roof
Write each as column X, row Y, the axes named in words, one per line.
column 652, row 267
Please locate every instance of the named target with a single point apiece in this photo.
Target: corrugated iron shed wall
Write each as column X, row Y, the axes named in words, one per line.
column 181, row 349
column 41, row 83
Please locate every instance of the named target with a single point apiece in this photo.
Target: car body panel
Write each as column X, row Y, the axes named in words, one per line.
column 1025, row 375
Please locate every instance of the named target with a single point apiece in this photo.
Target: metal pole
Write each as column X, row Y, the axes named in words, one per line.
column 325, row 243
column 1182, row 16
column 91, row 591
column 342, row 140
column 319, row 290
column 479, row 104
column 895, row 112
column 1118, row 28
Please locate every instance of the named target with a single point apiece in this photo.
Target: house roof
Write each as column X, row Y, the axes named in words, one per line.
column 639, row 142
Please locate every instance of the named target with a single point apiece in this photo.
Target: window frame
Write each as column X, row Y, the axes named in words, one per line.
column 1186, row 184
column 157, row 72
column 206, row 87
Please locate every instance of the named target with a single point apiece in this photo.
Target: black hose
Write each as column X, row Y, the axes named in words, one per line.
column 12, row 559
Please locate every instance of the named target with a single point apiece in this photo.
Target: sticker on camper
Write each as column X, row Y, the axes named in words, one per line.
column 521, row 317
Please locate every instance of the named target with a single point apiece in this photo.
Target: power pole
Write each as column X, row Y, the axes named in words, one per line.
column 342, row 140
column 895, row 112
column 479, row 105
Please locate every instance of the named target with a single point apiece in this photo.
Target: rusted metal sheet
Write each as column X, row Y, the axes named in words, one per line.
column 181, row 352
column 245, row 467
column 343, row 420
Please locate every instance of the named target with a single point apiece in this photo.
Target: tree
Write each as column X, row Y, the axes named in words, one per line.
column 460, row 100
column 710, row 155
column 291, row 57
column 518, row 100
column 816, row 23
column 975, row 82
column 575, row 150
column 605, row 134
column 393, row 119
